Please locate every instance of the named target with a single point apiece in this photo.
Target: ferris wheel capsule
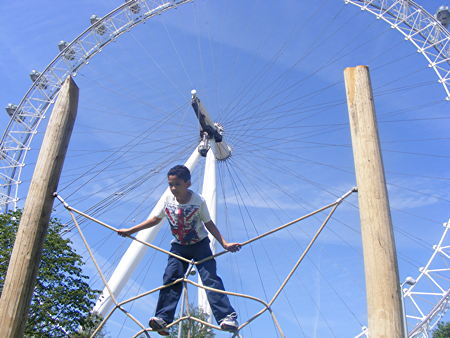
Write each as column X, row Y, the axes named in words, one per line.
column 134, row 7
column 35, row 75
column 443, row 16
column 13, row 112
column 100, row 29
column 70, row 53
column 11, row 109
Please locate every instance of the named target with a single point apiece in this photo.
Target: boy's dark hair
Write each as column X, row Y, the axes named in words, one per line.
column 180, row 171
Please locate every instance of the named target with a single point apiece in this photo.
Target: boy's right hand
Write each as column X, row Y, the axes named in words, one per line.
column 232, row 247
column 124, row 232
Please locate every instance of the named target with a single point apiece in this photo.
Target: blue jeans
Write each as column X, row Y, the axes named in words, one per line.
column 168, row 297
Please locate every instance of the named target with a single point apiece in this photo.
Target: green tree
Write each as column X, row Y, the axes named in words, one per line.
column 191, row 328
column 442, row 330
column 62, row 298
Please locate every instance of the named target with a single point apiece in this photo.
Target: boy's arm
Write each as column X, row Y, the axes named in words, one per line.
column 233, row 247
column 151, row 222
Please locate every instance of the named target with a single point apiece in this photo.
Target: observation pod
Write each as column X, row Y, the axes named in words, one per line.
column 134, row 6
column 443, row 16
column 70, row 53
column 10, row 109
column 42, row 83
column 100, row 29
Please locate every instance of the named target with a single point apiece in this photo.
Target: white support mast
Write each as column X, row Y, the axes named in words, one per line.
column 134, row 255
column 209, row 194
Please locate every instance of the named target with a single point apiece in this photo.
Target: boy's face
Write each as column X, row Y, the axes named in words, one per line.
column 178, row 186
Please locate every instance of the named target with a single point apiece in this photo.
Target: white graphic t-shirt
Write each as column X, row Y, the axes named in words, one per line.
column 185, row 220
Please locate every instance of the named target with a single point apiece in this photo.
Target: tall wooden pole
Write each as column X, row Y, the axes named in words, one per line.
column 25, row 258
column 380, row 260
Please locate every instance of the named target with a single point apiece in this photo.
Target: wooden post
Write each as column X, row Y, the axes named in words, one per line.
column 25, row 258
column 380, row 260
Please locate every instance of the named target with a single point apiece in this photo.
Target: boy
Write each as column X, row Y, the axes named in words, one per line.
column 188, row 217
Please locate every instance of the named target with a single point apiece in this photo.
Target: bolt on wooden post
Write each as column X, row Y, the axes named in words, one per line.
column 380, row 260
column 26, row 255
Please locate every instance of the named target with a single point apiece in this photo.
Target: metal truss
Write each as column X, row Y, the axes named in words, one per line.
column 429, row 299
column 26, row 116
column 419, row 27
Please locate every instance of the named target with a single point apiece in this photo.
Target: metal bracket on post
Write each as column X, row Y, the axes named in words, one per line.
column 204, row 145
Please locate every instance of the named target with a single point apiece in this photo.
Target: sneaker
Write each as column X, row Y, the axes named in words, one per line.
column 229, row 323
column 159, row 325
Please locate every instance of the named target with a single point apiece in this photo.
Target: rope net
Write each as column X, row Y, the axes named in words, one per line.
column 266, row 305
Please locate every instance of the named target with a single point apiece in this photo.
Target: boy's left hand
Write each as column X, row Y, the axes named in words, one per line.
column 232, row 247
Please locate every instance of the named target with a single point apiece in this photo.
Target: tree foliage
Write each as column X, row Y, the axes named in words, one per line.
column 442, row 330
column 62, row 298
column 191, row 328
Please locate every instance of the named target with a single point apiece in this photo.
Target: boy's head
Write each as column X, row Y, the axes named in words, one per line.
column 179, row 179
column 181, row 172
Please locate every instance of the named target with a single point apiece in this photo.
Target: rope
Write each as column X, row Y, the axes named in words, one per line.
column 266, row 305
column 103, row 279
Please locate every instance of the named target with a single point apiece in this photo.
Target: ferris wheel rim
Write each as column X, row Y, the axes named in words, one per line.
column 17, row 161
column 386, row 10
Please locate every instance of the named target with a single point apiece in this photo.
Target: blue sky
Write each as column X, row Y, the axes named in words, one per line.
column 272, row 74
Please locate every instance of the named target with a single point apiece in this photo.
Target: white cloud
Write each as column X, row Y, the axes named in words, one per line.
column 416, row 192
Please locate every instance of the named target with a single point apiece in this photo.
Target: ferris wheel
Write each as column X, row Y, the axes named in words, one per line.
column 272, row 137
